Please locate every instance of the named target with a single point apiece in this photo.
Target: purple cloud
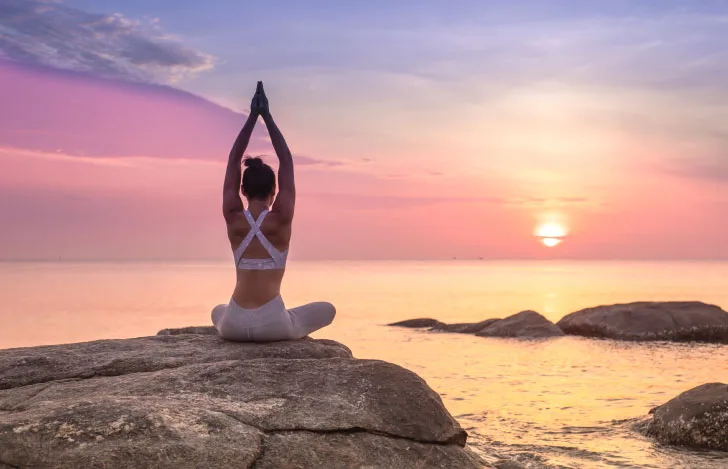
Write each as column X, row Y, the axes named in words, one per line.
column 52, row 34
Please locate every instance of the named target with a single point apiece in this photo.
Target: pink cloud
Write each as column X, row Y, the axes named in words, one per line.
column 48, row 110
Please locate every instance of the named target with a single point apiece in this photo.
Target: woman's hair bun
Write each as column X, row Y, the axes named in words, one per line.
column 253, row 162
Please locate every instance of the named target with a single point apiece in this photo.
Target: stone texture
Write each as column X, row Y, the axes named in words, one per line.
column 697, row 418
column 314, row 450
column 526, row 324
column 189, row 330
column 508, row 464
column 184, row 400
column 676, row 321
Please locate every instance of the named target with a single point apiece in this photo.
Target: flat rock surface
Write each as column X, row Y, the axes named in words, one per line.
column 697, row 418
column 182, row 400
column 677, row 321
column 22, row 366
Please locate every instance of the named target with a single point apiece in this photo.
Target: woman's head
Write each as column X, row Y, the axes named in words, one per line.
column 259, row 180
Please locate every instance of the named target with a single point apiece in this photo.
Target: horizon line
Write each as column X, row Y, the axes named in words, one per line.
column 383, row 259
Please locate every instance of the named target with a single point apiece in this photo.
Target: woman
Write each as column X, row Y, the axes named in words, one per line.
column 260, row 236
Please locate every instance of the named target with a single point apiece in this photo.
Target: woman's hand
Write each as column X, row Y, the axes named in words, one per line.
column 259, row 104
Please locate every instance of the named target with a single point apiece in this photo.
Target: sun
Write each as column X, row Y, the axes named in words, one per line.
column 551, row 242
column 550, row 230
column 551, row 233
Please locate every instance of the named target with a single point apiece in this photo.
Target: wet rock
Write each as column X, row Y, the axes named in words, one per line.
column 526, row 324
column 466, row 328
column 675, row 321
column 419, row 323
column 185, row 400
column 697, row 418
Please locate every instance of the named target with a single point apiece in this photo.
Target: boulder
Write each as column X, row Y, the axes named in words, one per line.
column 24, row 366
column 465, row 328
column 526, row 324
column 675, row 321
column 419, row 323
column 189, row 400
column 697, row 418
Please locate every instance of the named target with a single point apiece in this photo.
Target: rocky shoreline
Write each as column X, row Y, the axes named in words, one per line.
column 697, row 418
column 639, row 321
column 188, row 399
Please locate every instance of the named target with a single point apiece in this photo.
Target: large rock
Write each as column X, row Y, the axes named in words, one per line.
column 465, row 328
column 184, row 400
column 697, row 418
column 419, row 323
column 677, row 321
column 526, row 324
column 23, row 366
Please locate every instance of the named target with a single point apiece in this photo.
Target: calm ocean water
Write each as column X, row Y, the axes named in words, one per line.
column 564, row 402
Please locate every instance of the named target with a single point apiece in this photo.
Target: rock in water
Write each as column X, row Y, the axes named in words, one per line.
column 184, row 400
column 419, row 323
column 697, row 418
column 465, row 328
column 676, row 321
column 526, row 324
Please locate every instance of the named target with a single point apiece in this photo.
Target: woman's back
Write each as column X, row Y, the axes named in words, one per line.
column 258, row 277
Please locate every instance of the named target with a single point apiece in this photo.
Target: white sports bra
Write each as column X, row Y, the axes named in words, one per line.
column 277, row 258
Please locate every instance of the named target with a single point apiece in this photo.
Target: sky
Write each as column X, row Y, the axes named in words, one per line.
column 420, row 129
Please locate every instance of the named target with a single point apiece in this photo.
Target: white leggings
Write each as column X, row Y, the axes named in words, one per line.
column 270, row 322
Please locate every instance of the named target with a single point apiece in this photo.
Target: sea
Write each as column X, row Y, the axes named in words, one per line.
column 557, row 403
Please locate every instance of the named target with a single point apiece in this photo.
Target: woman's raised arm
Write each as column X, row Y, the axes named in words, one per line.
column 286, row 198
column 231, row 201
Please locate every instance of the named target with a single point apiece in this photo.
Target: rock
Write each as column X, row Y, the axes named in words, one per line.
column 23, row 366
column 508, row 464
column 465, row 328
column 183, row 400
column 345, row 450
column 697, row 418
column 676, row 321
column 419, row 323
column 189, row 330
column 526, row 324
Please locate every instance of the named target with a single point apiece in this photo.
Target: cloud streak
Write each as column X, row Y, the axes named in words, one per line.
column 709, row 168
column 48, row 33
